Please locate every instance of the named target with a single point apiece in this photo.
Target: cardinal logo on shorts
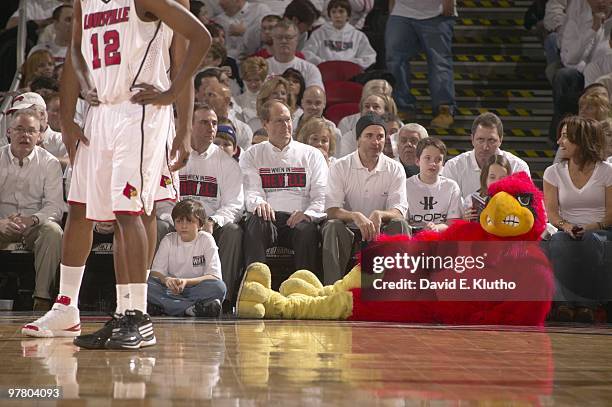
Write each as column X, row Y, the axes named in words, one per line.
column 129, row 191
column 165, row 181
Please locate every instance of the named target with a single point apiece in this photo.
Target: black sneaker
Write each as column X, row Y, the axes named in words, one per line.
column 97, row 340
column 207, row 309
column 154, row 310
column 135, row 331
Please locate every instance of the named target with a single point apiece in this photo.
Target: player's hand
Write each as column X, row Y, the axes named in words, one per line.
column 179, row 153
column 448, row 8
column 365, row 225
column 297, row 217
column 71, row 135
column 150, row 95
column 265, row 211
column 91, row 96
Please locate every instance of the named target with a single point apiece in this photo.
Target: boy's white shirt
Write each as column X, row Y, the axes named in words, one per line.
column 176, row 258
column 437, row 202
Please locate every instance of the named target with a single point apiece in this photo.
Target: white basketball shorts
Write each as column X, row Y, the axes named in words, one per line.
column 124, row 170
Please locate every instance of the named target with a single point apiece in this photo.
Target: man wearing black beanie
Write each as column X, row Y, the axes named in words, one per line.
column 365, row 195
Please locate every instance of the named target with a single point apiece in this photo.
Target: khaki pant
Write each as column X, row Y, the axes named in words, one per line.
column 338, row 245
column 45, row 240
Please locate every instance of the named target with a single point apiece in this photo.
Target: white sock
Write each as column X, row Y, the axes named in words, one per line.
column 138, row 292
column 70, row 283
column 123, row 298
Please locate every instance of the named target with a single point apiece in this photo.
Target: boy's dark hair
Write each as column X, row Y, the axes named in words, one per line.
column 339, row 4
column 430, row 141
column 44, row 82
column 214, row 29
column 188, row 208
column 303, row 10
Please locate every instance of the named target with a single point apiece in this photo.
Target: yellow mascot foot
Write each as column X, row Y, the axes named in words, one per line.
column 254, row 291
column 301, row 282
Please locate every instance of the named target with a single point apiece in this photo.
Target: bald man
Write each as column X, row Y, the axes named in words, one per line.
column 219, row 97
column 313, row 104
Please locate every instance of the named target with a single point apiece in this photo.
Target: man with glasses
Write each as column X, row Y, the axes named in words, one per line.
column 31, row 198
column 284, row 45
column 487, row 136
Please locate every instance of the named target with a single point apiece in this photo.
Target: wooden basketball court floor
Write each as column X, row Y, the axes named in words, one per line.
column 283, row 363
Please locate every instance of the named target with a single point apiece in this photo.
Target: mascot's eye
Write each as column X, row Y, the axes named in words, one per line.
column 524, row 199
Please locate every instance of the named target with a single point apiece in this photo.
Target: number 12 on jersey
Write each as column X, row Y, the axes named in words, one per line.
column 112, row 56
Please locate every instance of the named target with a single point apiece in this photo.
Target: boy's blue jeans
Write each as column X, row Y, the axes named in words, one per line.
column 176, row 304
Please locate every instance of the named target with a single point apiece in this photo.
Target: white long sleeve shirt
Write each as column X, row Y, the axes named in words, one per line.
column 600, row 66
column 579, row 43
column 291, row 179
column 53, row 143
column 464, row 170
column 555, row 16
column 250, row 15
column 354, row 188
column 34, row 189
column 214, row 178
column 347, row 44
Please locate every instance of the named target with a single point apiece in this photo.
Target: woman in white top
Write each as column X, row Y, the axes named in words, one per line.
column 276, row 88
column 578, row 198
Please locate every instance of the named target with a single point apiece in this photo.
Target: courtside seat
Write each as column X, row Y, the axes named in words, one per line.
column 17, row 275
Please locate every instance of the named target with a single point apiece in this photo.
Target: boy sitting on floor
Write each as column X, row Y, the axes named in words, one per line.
column 186, row 273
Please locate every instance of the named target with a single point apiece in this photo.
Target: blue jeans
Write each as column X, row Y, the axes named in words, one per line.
column 551, row 50
column 176, row 304
column 404, row 38
column 582, row 267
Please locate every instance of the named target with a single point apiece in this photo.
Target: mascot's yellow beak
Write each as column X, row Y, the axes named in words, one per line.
column 504, row 216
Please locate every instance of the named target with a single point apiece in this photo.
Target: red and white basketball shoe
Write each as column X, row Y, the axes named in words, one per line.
column 62, row 320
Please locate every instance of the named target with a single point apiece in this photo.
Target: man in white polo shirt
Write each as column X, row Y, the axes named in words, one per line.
column 366, row 194
column 214, row 178
column 487, row 136
column 284, row 184
column 284, row 44
column 237, row 17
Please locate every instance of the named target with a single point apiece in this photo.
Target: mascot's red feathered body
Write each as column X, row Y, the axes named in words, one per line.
column 506, row 238
column 514, row 214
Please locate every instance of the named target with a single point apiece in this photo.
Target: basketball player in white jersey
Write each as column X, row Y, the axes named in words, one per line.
column 119, row 53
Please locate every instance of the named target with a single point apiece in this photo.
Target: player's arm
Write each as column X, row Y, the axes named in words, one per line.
column 181, row 21
column 88, row 88
column 69, row 94
column 184, row 100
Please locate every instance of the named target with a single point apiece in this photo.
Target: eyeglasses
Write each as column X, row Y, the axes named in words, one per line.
column 30, row 132
column 285, row 37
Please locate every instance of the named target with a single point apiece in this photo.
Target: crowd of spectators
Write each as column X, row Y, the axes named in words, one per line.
column 269, row 169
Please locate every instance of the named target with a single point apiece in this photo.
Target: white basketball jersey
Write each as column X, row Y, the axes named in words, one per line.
column 121, row 50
